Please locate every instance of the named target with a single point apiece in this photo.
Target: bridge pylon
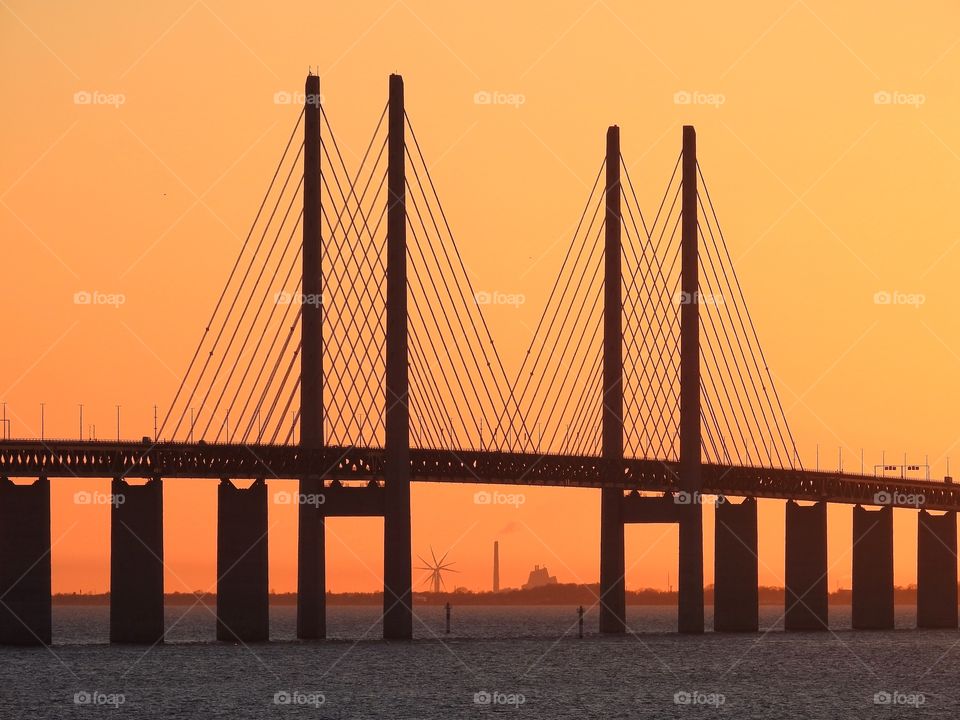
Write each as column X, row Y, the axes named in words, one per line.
column 612, row 584
column 397, row 557
column 311, row 539
column 689, row 516
column 690, row 586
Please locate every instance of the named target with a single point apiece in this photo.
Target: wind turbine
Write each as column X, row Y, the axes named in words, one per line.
column 436, row 570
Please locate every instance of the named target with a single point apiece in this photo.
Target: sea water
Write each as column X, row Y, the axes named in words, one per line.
column 514, row 660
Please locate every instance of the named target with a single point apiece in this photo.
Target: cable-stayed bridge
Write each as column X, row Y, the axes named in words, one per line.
column 349, row 350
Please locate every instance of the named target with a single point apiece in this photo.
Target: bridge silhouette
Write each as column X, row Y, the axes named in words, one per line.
column 373, row 367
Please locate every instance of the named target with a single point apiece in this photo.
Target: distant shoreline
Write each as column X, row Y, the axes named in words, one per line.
column 559, row 594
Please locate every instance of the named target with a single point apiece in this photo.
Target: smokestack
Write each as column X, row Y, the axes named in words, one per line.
column 496, row 566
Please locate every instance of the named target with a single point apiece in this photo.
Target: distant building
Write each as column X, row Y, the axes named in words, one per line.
column 539, row 577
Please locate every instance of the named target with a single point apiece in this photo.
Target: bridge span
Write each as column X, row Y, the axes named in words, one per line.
column 149, row 460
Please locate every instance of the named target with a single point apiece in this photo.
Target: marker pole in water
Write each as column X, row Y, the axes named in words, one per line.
column 448, row 618
column 580, row 621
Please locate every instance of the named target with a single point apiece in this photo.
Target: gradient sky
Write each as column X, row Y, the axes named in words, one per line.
column 827, row 197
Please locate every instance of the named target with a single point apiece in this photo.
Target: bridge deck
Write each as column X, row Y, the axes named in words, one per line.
column 98, row 459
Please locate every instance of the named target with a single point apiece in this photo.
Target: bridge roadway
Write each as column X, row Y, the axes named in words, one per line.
column 100, row 459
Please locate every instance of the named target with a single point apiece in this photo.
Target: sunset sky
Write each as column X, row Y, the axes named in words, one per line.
column 828, row 134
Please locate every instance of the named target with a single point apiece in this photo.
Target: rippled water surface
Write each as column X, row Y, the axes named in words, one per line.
column 525, row 660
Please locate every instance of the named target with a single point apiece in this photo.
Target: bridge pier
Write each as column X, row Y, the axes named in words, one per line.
column 613, row 598
column 736, row 597
column 25, row 601
column 136, row 562
column 872, row 568
column 243, row 611
column 636, row 508
column 806, row 567
column 937, row 570
column 690, row 584
column 311, row 565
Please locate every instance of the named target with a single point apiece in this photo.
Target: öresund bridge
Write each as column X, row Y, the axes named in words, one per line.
column 373, row 367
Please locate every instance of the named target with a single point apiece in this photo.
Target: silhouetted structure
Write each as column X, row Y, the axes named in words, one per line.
column 937, row 570
column 806, row 567
column 401, row 381
column 736, row 594
column 539, row 577
column 311, row 569
column 25, row 614
column 872, row 568
column 243, row 612
column 136, row 563
column 436, row 568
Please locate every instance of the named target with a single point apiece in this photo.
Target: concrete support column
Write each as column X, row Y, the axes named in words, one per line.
column 397, row 558
column 243, row 611
column 612, row 585
column 736, row 598
column 690, row 588
column 136, row 562
column 690, row 585
column 613, row 598
column 806, row 567
column 937, row 570
column 311, row 538
column 25, row 617
column 872, row 568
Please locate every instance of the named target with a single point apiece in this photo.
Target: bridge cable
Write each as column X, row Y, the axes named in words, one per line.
column 231, row 275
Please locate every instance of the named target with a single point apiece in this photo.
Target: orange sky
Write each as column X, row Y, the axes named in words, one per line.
column 827, row 197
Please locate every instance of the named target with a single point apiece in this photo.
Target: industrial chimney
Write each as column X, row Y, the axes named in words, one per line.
column 496, row 566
